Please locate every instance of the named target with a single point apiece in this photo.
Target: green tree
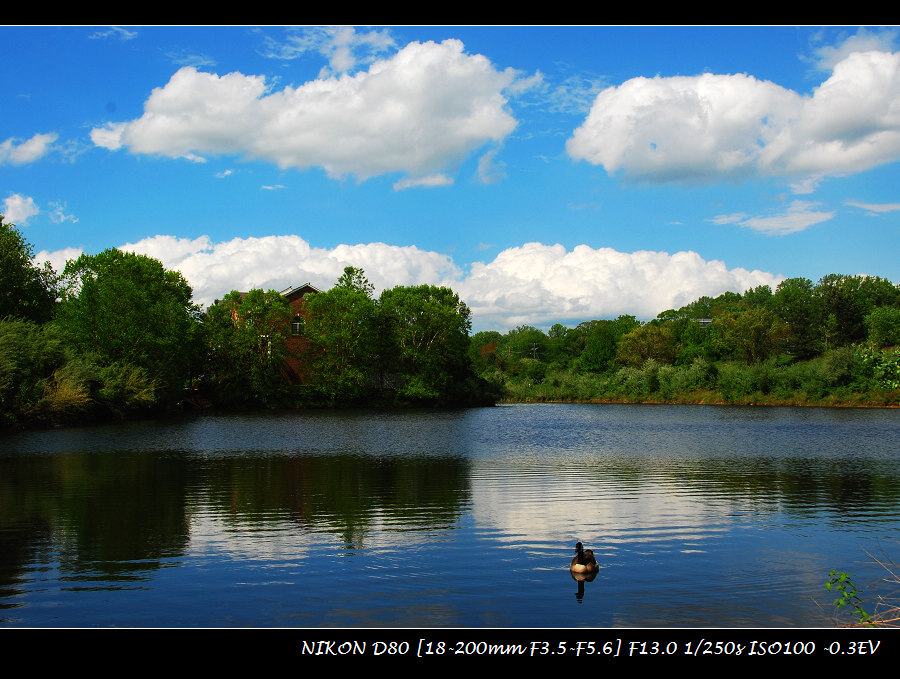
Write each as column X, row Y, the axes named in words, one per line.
column 428, row 328
column 557, row 331
column 484, row 350
column 692, row 341
column 29, row 356
column 247, row 339
column 602, row 343
column 756, row 333
column 42, row 382
column 843, row 308
column 345, row 347
column 796, row 304
column 760, row 296
column 26, row 291
column 652, row 340
column 124, row 307
column 355, row 279
column 701, row 308
column 526, row 341
column 883, row 325
column 874, row 291
column 559, row 345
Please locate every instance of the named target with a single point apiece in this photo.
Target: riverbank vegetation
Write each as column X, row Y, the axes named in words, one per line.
column 408, row 347
column 119, row 337
column 116, row 335
column 830, row 343
column 878, row 605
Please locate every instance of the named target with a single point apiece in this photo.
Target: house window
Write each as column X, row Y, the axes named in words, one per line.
column 297, row 326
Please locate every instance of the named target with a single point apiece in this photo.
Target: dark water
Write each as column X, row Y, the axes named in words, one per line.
column 700, row 516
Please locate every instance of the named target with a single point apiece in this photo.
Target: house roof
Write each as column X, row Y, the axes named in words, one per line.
column 290, row 293
column 299, row 291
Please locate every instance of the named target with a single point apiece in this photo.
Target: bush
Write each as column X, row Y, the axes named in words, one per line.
column 883, row 326
column 29, row 355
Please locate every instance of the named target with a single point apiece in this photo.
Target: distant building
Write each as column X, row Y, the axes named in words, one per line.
column 297, row 344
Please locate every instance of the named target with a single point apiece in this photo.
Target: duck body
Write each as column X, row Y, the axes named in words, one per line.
column 584, row 561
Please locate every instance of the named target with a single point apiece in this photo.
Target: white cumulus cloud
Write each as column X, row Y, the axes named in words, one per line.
column 18, row 152
column 57, row 258
column 421, row 112
column 279, row 262
column 534, row 283
column 864, row 40
column 541, row 284
column 713, row 127
column 18, row 209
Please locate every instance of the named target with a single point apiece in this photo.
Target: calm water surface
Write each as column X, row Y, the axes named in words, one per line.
column 700, row 516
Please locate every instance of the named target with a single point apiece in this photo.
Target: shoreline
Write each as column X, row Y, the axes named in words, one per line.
column 213, row 410
column 720, row 402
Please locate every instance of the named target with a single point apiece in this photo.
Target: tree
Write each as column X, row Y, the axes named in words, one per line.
column 29, row 355
column 874, row 292
column 692, row 339
column 648, row 341
column 247, row 339
column 428, row 328
column 796, row 304
column 557, row 331
column 842, row 309
column 845, row 302
column 124, row 307
column 526, row 342
column 601, row 344
column 559, row 341
column 756, row 333
column 341, row 328
column 26, row 291
column 484, row 350
column 883, row 324
column 700, row 308
column 760, row 296
column 355, row 279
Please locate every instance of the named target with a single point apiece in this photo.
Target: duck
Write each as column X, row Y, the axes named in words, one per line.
column 584, row 561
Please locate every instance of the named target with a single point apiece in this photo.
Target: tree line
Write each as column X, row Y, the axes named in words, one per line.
column 832, row 342
column 407, row 347
column 117, row 335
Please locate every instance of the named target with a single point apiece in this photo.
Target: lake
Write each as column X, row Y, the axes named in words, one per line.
column 700, row 516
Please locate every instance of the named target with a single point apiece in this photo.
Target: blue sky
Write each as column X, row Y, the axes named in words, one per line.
column 547, row 174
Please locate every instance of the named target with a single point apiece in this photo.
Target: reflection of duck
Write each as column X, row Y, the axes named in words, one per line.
column 584, row 561
column 580, row 579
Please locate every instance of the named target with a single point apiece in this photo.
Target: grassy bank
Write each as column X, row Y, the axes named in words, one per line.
column 824, row 381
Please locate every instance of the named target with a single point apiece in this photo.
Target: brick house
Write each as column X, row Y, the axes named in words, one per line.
column 298, row 345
